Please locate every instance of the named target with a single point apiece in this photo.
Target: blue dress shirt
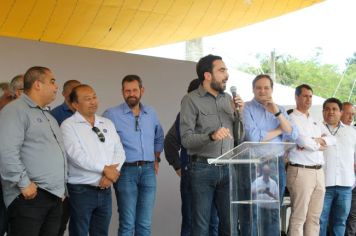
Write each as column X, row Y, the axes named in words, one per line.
column 258, row 122
column 142, row 136
column 61, row 113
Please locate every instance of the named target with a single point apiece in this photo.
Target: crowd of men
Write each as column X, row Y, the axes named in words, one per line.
column 60, row 165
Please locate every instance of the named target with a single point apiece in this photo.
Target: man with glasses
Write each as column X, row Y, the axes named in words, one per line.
column 16, row 86
column 5, row 95
column 142, row 137
column 32, row 158
column 95, row 156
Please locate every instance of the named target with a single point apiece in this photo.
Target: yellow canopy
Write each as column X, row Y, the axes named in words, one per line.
column 124, row 25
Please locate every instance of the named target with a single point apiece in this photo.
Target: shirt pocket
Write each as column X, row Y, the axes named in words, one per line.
column 208, row 121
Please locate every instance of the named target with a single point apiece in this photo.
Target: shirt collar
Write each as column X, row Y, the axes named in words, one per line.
column 299, row 113
column 80, row 119
column 127, row 109
column 340, row 124
column 256, row 103
column 202, row 92
column 31, row 103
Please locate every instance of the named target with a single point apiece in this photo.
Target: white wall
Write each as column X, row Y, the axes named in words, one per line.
column 165, row 82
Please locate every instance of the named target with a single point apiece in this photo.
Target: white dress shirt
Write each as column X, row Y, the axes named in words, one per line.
column 266, row 201
column 339, row 158
column 87, row 155
column 307, row 152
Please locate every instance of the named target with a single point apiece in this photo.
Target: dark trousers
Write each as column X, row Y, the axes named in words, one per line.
column 38, row 216
column 3, row 215
column 186, row 196
column 65, row 217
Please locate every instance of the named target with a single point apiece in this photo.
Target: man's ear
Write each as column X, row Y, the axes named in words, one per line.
column 142, row 91
column 207, row 76
column 74, row 105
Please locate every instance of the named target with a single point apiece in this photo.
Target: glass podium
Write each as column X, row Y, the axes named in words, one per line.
column 254, row 187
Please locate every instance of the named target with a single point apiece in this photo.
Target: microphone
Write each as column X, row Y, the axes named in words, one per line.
column 234, row 94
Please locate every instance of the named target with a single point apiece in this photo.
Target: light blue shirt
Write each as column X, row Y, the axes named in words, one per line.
column 141, row 138
column 258, row 122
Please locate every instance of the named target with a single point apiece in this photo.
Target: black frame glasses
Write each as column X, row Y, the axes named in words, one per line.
column 99, row 133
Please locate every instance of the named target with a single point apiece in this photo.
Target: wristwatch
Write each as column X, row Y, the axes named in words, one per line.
column 158, row 159
column 278, row 113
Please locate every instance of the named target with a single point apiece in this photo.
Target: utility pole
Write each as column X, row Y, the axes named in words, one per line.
column 273, row 65
column 194, row 49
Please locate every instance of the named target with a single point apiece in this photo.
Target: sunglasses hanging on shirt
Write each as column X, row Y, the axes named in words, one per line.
column 99, row 133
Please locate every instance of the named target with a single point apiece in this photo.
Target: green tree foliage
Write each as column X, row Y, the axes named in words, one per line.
column 323, row 78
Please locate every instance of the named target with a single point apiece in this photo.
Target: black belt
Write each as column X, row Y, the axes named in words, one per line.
column 201, row 159
column 88, row 186
column 137, row 163
column 316, row 167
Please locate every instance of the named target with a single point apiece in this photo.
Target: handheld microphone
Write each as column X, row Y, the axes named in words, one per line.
column 234, row 94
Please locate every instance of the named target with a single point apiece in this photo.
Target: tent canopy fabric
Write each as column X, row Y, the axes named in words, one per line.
column 125, row 25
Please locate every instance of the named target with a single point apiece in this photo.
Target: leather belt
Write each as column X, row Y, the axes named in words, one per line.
column 316, row 167
column 201, row 159
column 137, row 163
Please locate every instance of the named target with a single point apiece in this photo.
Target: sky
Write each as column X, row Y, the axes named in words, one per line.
column 329, row 25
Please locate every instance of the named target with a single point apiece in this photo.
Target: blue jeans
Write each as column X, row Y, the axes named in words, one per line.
column 135, row 194
column 338, row 201
column 90, row 210
column 282, row 178
column 210, row 185
column 186, row 196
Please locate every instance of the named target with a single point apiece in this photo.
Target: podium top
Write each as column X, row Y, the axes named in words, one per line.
column 253, row 152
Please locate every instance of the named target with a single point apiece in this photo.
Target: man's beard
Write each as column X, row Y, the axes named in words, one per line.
column 217, row 86
column 132, row 101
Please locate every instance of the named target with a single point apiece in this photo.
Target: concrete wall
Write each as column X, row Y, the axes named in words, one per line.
column 165, row 83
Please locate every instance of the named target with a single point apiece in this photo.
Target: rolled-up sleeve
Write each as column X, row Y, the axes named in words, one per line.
column 159, row 136
column 252, row 132
column 292, row 137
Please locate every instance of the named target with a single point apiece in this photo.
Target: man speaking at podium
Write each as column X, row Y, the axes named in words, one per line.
column 207, row 120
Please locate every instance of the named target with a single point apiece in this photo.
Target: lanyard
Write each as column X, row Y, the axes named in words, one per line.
column 333, row 133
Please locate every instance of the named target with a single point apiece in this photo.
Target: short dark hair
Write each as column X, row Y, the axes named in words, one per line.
column 347, row 104
column 205, row 64
column 333, row 100
column 69, row 82
column 131, row 78
column 261, row 76
column 33, row 74
column 193, row 85
column 73, row 96
column 298, row 90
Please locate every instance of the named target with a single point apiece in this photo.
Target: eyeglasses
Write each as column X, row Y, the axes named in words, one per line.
column 137, row 127
column 99, row 133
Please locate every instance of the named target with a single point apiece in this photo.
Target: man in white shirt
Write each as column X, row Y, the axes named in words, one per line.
column 265, row 191
column 338, row 169
column 305, row 178
column 95, row 156
column 348, row 113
